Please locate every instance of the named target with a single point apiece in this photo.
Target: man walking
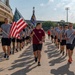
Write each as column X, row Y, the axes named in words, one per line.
column 38, row 36
column 6, row 41
column 70, row 35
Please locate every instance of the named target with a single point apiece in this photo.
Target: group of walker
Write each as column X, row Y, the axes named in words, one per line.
column 35, row 35
column 11, row 45
column 64, row 38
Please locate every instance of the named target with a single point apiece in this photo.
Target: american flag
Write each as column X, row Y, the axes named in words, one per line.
column 17, row 26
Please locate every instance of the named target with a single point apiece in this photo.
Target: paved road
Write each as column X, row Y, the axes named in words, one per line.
column 22, row 63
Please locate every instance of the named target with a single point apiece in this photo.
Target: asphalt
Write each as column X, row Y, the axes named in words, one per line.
column 22, row 62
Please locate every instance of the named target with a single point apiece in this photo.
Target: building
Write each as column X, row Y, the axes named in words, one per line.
column 5, row 11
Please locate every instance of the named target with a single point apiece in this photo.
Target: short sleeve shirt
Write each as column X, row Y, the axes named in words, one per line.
column 58, row 31
column 6, row 29
column 39, row 33
column 70, row 35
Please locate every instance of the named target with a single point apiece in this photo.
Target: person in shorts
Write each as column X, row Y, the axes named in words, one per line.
column 52, row 33
column 55, row 38
column 28, row 32
column 63, row 41
column 6, row 41
column 19, row 41
column 58, row 36
column 38, row 36
column 49, row 34
column 70, row 35
column 13, row 44
column 66, row 28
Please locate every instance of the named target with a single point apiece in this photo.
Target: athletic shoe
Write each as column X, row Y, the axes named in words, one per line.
column 20, row 49
column 70, row 61
column 63, row 53
column 39, row 64
column 35, row 59
column 17, row 50
column 10, row 52
column 60, row 51
column 5, row 55
column 13, row 52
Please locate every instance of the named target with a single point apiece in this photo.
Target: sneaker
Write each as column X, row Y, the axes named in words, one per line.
column 10, row 52
column 60, row 51
column 39, row 64
column 13, row 52
column 17, row 50
column 20, row 49
column 69, row 61
column 63, row 53
column 35, row 59
column 5, row 55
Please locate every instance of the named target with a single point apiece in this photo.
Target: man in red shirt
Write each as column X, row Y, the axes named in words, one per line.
column 48, row 34
column 38, row 36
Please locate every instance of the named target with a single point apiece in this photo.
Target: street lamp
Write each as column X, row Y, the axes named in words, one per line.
column 67, row 8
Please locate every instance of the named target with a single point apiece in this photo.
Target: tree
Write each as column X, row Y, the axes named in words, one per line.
column 74, row 25
column 48, row 24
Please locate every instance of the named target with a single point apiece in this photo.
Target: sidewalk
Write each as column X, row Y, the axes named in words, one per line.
column 52, row 63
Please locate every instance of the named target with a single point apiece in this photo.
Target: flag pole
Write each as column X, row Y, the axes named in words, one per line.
column 36, row 37
column 5, row 32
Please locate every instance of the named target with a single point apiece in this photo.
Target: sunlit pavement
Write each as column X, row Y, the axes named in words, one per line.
column 52, row 62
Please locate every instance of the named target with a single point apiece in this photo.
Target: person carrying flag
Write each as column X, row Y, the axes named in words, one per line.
column 6, row 41
column 38, row 36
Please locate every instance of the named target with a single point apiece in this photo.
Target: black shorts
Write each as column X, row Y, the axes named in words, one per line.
column 58, row 40
column 63, row 42
column 55, row 37
column 37, row 47
column 70, row 46
column 48, row 34
column 19, row 40
column 28, row 37
column 6, row 41
column 52, row 36
column 23, row 39
column 74, row 41
column 13, row 39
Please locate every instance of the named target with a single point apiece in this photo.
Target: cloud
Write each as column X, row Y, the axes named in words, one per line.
column 46, row 4
column 55, row 9
column 71, row 10
column 51, row 1
column 59, row 5
column 42, row 4
column 67, row 3
column 62, row 4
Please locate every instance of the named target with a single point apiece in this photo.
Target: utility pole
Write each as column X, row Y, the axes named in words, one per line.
column 67, row 9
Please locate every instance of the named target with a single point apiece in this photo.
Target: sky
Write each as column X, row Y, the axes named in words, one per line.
column 47, row 10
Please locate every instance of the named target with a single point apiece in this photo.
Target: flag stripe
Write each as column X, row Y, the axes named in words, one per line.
column 14, row 30
column 17, row 26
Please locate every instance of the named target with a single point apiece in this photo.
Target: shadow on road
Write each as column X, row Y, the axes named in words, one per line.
column 25, row 62
column 53, row 52
column 56, row 58
column 57, row 61
column 2, row 57
column 1, row 69
column 47, row 43
column 63, row 70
